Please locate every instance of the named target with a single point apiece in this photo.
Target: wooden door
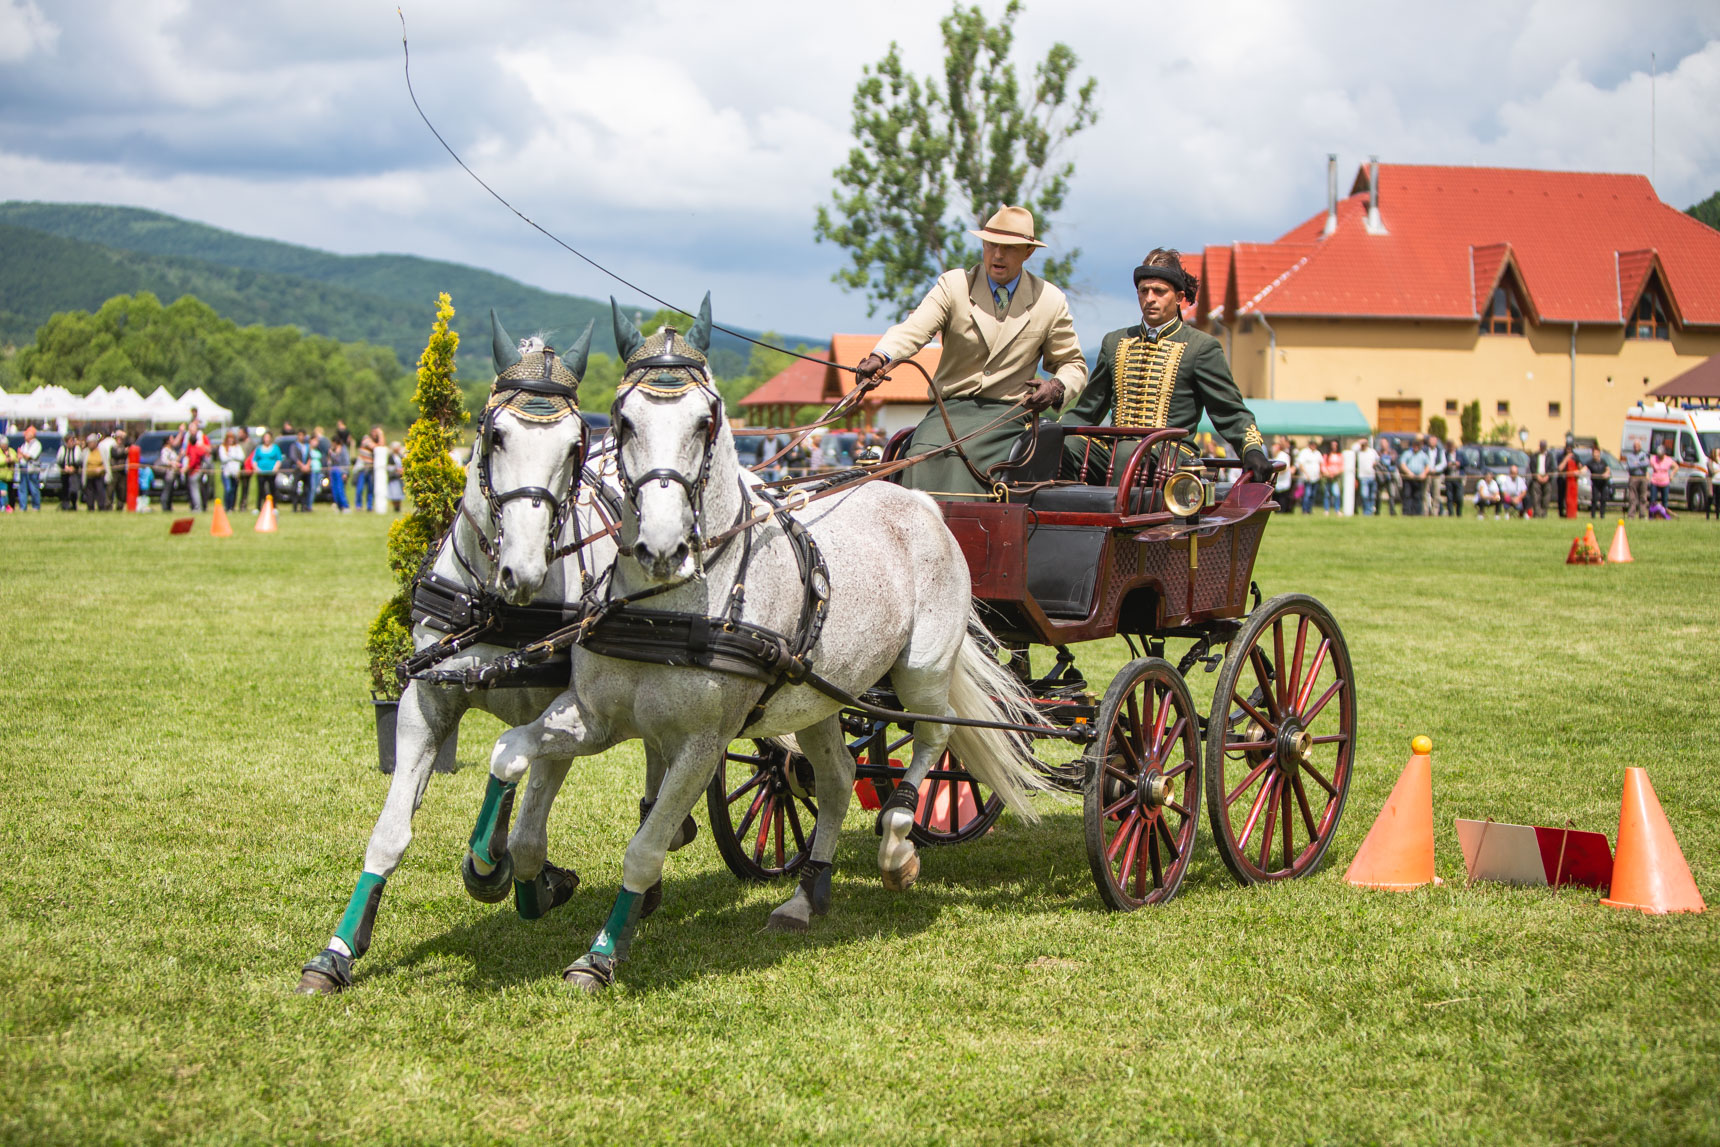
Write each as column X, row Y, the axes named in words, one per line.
column 1400, row 416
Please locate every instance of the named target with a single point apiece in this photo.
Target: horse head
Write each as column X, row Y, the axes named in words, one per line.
column 668, row 421
column 531, row 445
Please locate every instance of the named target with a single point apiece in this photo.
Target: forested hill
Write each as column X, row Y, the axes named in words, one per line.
column 59, row 256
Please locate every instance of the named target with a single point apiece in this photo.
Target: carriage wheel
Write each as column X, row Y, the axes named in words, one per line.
column 953, row 810
column 1142, row 793
column 763, row 811
column 1280, row 741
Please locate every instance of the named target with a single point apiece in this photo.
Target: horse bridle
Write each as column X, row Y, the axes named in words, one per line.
column 501, row 396
column 645, row 376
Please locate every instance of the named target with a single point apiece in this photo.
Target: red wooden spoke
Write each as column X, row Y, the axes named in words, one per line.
column 1178, row 807
column 776, row 820
column 1249, row 780
column 1276, row 784
column 1307, row 811
column 1159, row 720
column 1330, row 739
column 1253, row 712
column 1119, row 774
column 1146, row 850
column 1169, row 839
column 757, row 804
column 750, row 782
column 1313, row 673
column 1278, row 650
column 1158, row 866
column 1170, row 740
column 794, row 823
column 1178, row 770
column 1296, row 664
column 1324, row 783
column 1257, row 658
column 1129, row 751
column 1129, row 852
column 1133, row 733
column 1254, row 814
column 1314, row 711
column 1288, row 850
column 764, row 828
column 1241, row 746
column 1123, row 832
column 1117, row 808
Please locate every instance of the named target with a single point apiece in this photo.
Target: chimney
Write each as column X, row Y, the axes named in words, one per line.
column 1375, row 225
column 1331, row 193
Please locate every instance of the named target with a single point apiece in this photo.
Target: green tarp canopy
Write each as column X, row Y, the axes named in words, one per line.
column 1301, row 419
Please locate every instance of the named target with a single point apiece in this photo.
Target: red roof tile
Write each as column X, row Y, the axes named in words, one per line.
column 800, row 384
column 1568, row 236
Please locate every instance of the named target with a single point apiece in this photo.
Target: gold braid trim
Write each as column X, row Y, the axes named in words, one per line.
column 1251, row 439
column 1146, row 377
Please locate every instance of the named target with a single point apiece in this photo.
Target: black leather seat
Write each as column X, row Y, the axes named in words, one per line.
column 1087, row 499
column 1046, row 461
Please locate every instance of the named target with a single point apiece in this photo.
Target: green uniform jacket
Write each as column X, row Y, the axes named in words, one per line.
column 1203, row 382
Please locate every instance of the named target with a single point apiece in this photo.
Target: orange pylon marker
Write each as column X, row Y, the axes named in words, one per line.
column 220, row 527
column 1619, row 551
column 1585, row 551
column 1649, row 872
column 1398, row 852
column 266, row 520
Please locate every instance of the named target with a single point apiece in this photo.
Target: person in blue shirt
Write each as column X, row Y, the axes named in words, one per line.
column 1413, row 464
column 265, row 460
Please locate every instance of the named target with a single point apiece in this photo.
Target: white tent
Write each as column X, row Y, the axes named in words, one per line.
column 163, row 407
column 129, row 404
column 212, row 412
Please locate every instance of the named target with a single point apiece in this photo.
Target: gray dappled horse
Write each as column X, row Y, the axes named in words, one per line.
column 507, row 540
column 882, row 570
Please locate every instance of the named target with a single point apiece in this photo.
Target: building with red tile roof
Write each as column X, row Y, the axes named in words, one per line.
column 1556, row 299
column 898, row 402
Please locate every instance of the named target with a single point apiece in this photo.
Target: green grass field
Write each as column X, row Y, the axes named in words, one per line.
column 189, row 778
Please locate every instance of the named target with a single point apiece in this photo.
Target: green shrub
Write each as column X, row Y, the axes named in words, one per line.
column 1436, row 427
column 433, row 480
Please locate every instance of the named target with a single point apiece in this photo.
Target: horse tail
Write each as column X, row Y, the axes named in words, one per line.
column 984, row 689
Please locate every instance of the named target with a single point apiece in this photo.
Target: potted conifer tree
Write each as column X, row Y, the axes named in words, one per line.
column 433, row 482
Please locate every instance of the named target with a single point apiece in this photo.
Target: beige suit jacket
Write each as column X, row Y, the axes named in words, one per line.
column 985, row 357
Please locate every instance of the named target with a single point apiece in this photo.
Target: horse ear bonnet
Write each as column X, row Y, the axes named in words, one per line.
column 666, row 363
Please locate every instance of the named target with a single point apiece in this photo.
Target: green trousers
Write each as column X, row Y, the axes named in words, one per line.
column 946, row 474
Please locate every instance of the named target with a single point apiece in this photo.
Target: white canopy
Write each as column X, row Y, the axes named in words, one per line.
column 208, row 409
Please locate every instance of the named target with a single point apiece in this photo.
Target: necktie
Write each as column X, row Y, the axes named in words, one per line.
column 1002, row 297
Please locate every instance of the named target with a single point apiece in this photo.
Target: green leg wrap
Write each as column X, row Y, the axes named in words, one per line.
column 498, row 798
column 617, row 934
column 354, row 930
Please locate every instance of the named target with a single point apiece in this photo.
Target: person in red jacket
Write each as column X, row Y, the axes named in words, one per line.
column 191, row 465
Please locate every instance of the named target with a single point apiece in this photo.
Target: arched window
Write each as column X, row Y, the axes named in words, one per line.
column 1504, row 316
column 1649, row 319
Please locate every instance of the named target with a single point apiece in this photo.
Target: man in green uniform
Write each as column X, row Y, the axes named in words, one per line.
column 998, row 324
column 1162, row 372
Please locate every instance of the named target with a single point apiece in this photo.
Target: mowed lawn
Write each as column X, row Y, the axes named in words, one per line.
column 189, row 778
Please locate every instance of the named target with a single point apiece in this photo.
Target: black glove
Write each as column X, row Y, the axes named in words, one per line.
column 1258, row 465
column 869, row 371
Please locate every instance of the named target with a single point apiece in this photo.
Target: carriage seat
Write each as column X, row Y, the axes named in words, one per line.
column 1018, row 469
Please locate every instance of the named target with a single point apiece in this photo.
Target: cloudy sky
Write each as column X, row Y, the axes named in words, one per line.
column 687, row 144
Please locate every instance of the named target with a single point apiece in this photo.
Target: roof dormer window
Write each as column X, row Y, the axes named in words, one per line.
column 1649, row 319
column 1504, row 316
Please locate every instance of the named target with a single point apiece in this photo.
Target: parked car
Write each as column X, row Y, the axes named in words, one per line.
column 1616, row 472
column 1689, row 433
column 49, row 469
column 1494, row 460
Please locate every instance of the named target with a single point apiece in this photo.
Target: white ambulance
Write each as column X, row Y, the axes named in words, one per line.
column 1690, row 434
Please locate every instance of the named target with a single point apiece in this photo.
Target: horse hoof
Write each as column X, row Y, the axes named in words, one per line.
column 786, row 919
column 326, row 974
column 591, row 974
column 544, row 893
column 652, row 901
column 685, row 835
column 903, row 878
column 491, row 889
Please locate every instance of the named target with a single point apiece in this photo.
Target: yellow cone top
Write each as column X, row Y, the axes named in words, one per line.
column 1422, row 744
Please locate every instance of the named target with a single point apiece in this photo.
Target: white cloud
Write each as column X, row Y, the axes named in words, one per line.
column 24, row 31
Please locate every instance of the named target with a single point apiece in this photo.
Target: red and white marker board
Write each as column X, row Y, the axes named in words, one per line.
column 1529, row 854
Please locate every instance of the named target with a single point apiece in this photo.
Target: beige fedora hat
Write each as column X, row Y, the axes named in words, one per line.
column 1011, row 225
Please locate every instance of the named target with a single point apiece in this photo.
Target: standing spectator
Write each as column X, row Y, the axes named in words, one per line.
column 114, row 465
column 8, row 473
column 1367, row 481
column 1437, row 459
column 1332, row 477
column 298, row 463
column 30, row 471
column 1541, row 469
column 1282, row 478
column 1660, row 469
column 1308, row 470
column 1569, row 464
column 95, row 473
column 232, row 459
column 70, row 460
column 1513, row 492
column 396, row 491
column 1600, row 483
column 245, row 468
column 1386, row 473
column 1636, row 482
column 266, row 461
column 1713, row 511
column 1412, row 466
column 342, row 436
column 1453, row 483
column 1486, row 494
column 337, row 472
column 196, row 455
column 169, row 464
column 364, row 473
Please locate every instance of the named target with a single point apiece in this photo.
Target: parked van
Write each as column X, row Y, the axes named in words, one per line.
column 1689, row 433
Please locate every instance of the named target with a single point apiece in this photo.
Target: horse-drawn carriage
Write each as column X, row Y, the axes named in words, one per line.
column 1148, row 557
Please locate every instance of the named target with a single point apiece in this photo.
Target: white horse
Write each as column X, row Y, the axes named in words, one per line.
column 508, row 541
column 893, row 592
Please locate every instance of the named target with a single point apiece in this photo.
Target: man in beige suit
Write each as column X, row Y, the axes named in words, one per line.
column 998, row 324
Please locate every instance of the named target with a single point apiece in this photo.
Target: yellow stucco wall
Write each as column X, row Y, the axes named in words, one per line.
column 1363, row 361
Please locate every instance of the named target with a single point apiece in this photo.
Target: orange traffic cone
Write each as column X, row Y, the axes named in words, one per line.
column 1585, row 551
column 1649, row 872
column 1619, row 551
column 1398, row 852
column 266, row 520
column 219, row 526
